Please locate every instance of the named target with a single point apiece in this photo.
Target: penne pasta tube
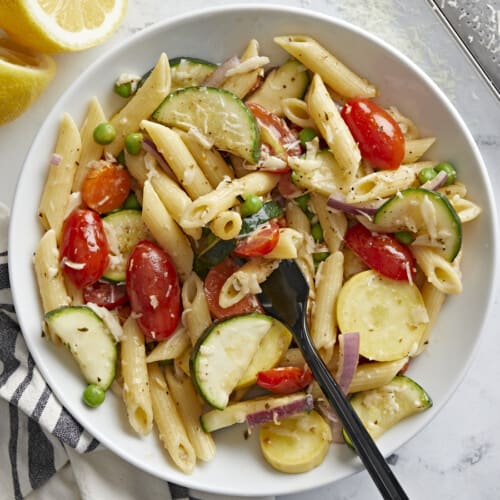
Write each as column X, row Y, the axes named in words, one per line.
column 246, row 280
column 226, row 225
column 375, row 374
column 296, row 111
column 178, row 157
column 166, row 232
column 196, row 314
column 416, row 148
column 190, row 410
column 329, row 278
column 466, row 209
column 91, row 150
column 433, row 300
column 288, row 244
column 171, row 348
column 336, row 75
column 334, row 130
column 57, row 189
column 141, row 105
column 211, row 162
column 333, row 224
column 136, row 394
column 170, row 427
column 204, row 209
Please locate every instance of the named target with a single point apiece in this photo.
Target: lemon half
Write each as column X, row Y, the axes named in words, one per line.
column 53, row 26
column 24, row 75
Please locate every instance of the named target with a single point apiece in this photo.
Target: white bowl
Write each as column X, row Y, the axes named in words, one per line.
column 215, row 34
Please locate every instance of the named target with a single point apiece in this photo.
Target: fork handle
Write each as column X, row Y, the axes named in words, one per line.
column 365, row 447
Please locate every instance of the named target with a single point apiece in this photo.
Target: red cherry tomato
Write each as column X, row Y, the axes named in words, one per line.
column 284, row 380
column 153, row 290
column 214, row 280
column 278, row 127
column 84, row 248
column 104, row 294
column 259, row 242
column 378, row 135
column 106, row 187
column 381, row 252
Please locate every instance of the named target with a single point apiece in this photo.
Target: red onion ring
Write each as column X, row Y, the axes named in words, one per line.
column 217, row 77
column 348, row 359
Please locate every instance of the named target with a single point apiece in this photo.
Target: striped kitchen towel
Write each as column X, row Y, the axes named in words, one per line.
column 38, row 436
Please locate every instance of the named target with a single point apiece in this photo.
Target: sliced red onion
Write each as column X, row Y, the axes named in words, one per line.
column 337, row 202
column 150, row 147
column 55, row 159
column 348, row 359
column 287, row 410
column 438, row 182
column 217, row 77
column 331, row 417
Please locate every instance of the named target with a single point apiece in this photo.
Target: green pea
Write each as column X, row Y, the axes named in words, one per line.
column 104, row 133
column 306, row 135
column 320, row 257
column 123, row 89
column 294, row 177
column 450, row 171
column 93, row 395
column 133, row 143
column 251, row 205
column 426, row 174
column 317, row 232
column 405, row 237
column 131, row 203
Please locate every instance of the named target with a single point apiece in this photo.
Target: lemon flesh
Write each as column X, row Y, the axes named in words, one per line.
column 53, row 26
column 24, row 75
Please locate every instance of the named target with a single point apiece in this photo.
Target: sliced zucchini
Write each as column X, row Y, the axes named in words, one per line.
column 124, row 229
column 211, row 251
column 296, row 444
column 89, row 340
column 237, row 413
column 389, row 315
column 382, row 408
column 291, row 79
column 427, row 214
column 217, row 114
column 270, row 351
column 270, row 210
column 189, row 72
column 223, row 353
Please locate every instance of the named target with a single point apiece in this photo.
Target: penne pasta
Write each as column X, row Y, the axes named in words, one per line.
column 333, row 224
column 55, row 196
column 320, row 61
column 416, row 148
column 196, row 315
column 136, row 394
column 433, row 300
column 297, row 112
column 288, row 244
column 226, row 225
column 171, row 348
column 375, row 374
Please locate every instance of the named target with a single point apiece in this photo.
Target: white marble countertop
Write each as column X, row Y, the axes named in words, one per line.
column 458, row 455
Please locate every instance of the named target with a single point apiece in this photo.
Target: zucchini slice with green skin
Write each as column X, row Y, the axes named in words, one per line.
column 427, row 214
column 217, row 114
column 382, row 408
column 296, row 444
column 223, row 353
column 270, row 210
column 124, row 229
column 189, row 71
column 89, row 340
column 237, row 413
column 291, row 79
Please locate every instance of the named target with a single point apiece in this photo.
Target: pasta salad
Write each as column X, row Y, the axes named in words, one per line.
column 162, row 221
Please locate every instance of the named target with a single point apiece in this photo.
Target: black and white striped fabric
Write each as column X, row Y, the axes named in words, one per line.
column 35, row 429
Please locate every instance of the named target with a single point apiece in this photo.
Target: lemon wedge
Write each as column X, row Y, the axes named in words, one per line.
column 24, row 75
column 53, row 26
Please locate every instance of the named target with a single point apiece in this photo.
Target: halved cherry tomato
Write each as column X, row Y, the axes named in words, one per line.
column 84, row 248
column 381, row 252
column 378, row 135
column 278, row 127
column 259, row 242
column 214, row 280
column 105, row 294
column 153, row 290
column 106, row 187
column 285, row 379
